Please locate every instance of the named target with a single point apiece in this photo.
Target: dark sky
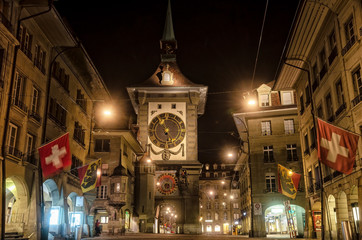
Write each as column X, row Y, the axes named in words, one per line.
column 217, row 45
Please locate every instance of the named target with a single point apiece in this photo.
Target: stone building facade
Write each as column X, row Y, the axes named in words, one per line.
column 114, row 205
column 48, row 87
column 219, row 200
column 269, row 132
column 323, row 65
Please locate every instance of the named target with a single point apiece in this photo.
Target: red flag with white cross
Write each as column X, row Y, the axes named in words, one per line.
column 336, row 147
column 55, row 155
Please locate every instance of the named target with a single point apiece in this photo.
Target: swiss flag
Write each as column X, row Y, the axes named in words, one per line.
column 336, row 147
column 55, row 155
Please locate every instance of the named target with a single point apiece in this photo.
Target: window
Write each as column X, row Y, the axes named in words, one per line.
column 18, row 89
column 102, row 145
column 104, row 219
column 270, row 182
column 59, row 74
column 287, row 98
column 214, row 166
column 159, row 106
column 348, row 29
column 208, row 205
column 264, row 100
column 339, row 91
column 57, row 113
column 307, row 96
column 207, row 166
column 76, row 162
column 102, row 192
column 223, row 175
column 222, row 166
column 104, row 169
column 306, row 144
column 357, row 82
column 225, row 216
column 289, row 126
column 320, row 111
column 12, row 138
column 332, row 40
column 208, row 216
column 81, row 101
column 207, row 174
column 265, row 128
column 79, row 133
column 292, row 152
column 236, row 216
column 301, row 102
column 216, row 217
column 310, row 181
column 25, row 39
column 329, row 107
column 235, row 205
column 268, row 154
column 217, row 228
column 312, row 139
column 216, row 174
column 216, row 205
column 29, row 144
column 173, row 106
column 34, row 101
column 39, row 58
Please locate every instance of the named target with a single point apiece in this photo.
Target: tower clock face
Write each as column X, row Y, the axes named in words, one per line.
column 166, row 130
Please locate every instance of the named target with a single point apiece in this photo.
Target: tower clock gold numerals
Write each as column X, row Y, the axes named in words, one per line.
column 166, row 130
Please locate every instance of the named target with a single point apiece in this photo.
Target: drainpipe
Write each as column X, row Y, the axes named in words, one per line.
column 7, row 116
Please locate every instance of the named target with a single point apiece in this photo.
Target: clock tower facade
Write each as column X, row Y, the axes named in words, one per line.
column 167, row 107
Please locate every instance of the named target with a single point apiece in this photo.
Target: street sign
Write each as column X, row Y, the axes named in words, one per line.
column 258, row 209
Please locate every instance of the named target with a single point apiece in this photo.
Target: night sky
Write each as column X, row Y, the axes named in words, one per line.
column 217, row 45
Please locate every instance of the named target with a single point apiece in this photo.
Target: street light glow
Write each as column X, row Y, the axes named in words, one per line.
column 223, row 182
column 230, row 155
column 107, row 112
column 211, row 192
column 251, row 102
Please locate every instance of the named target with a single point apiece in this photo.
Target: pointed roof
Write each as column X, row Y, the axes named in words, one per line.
column 168, row 34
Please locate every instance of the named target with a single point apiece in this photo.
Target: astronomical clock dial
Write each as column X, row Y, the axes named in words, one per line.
column 166, row 130
column 166, row 184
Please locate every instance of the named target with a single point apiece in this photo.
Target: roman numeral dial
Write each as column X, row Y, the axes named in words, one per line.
column 166, row 130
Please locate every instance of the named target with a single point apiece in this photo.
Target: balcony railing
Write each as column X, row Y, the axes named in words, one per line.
column 317, row 185
column 30, row 158
column 6, row 22
column 336, row 174
column 35, row 116
column 356, row 100
column 333, row 55
column 323, row 72
column 349, row 44
column 58, row 122
column 310, row 189
column 331, row 118
column 20, row 105
column 327, row 178
column 14, row 152
column 340, row 109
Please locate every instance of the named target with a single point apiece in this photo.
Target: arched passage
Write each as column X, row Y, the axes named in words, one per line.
column 276, row 219
column 355, row 210
column 52, row 207
column 166, row 218
column 332, row 217
column 16, row 201
column 342, row 210
column 75, row 211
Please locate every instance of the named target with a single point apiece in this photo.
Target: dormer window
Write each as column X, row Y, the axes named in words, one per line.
column 264, row 100
column 167, row 76
column 215, row 166
column 207, row 167
column 287, row 98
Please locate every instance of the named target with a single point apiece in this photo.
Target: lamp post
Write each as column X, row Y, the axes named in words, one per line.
column 251, row 232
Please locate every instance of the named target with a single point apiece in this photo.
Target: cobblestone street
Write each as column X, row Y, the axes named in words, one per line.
column 182, row 237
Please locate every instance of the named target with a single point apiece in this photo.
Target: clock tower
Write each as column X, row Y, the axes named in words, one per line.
column 168, row 105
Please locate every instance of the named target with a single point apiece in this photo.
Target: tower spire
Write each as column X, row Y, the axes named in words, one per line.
column 168, row 42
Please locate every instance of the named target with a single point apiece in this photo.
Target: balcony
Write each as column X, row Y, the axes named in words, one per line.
column 332, row 56
column 117, row 200
column 35, row 116
column 331, row 118
column 356, row 100
column 327, row 178
column 349, row 44
column 30, row 158
column 20, row 104
column 336, row 174
column 340, row 109
column 323, row 71
column 6, row 22
column 14, row 152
